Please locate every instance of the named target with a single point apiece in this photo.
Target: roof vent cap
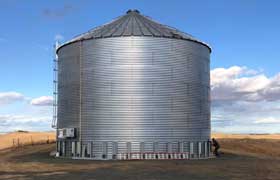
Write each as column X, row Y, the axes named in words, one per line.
column 132, row 11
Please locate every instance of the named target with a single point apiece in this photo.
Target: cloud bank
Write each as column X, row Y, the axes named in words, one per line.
column 10, row 97
column 245, row 99
column 243, row 84
column 42, row 101
column 32, row 114
column 269, row 120
column 10, row 123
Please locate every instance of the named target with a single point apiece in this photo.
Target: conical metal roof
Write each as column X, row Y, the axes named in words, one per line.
column 134, row 24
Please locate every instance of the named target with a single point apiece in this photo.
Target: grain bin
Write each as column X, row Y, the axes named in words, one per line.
column 133, row 89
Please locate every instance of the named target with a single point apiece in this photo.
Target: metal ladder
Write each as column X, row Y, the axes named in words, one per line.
column 55, row 74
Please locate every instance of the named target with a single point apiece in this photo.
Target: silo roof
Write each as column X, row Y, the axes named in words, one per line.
column 134, row 24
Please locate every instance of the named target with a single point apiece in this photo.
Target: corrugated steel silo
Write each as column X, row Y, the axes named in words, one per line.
column 133, row 89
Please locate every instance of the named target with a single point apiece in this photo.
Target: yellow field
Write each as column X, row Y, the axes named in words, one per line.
column 23, row 138
column 245, row 136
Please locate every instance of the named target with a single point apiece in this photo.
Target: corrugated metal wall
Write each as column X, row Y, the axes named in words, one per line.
column 135, row 89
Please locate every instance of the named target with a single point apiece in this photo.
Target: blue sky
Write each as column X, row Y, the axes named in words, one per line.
column 244, row 36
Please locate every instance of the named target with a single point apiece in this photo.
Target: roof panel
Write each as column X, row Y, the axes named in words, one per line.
column 136, row 28
column 143, row 28
column 128, row 29
column 122, row 27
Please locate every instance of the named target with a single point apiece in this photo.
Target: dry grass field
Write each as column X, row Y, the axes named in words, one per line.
column 244, row 157
column 245, row 136
column 22, row 138
column 262, row 146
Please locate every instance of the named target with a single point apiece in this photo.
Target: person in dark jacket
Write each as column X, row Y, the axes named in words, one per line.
column 216, row 146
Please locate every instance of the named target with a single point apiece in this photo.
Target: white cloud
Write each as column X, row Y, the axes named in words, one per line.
column 58, row 37
column 42, row 101
column 268, row 120
column 12, row 122
column 10, row 97
column 22, row 118
column 243, row 84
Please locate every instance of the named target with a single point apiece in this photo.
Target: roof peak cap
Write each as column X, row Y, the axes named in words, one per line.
column 133, row 11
